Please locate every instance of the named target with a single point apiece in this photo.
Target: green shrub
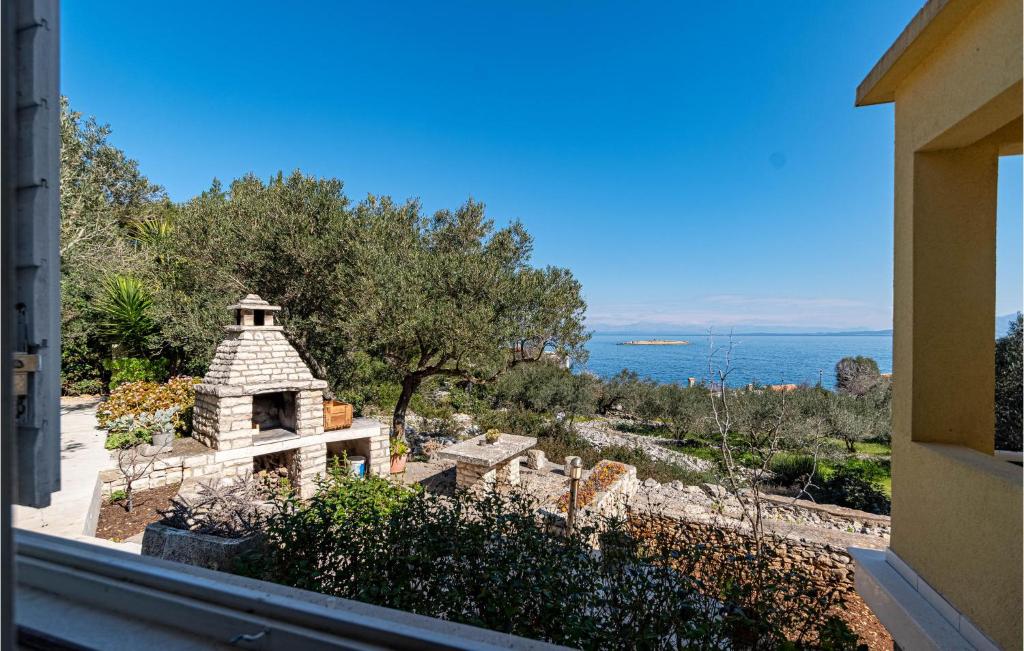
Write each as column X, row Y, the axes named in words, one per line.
column 466, row 402
column 136, row 369
column 872, row 470
column 83, row 388
column 850, row 487
column 428, row 407
column 137, row 398
column 792, row 469
column 128, row 438
column 81, row 367
column 132, row 429
column 519, row 421
column 489, row 562
column 125, row 313
column 118, row 496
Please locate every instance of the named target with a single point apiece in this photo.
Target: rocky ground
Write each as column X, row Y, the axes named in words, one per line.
column 601, row 432
column 426, row 436
column 785, row 516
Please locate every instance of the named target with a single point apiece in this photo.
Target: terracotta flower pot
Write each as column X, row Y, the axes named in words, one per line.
column 398, row 463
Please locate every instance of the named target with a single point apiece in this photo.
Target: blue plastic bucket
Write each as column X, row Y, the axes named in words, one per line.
column 357, row 466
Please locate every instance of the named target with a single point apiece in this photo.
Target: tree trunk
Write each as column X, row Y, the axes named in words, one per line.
column 409, row 386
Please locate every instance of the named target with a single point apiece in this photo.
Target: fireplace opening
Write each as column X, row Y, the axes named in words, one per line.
column 274, row 411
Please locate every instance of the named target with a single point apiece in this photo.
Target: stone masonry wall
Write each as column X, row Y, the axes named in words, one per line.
column 224, row 423
column 378, row 462
column 309, row 413
column 309, row 461
column 174, row 470
column 806, row 535
column 784, row 509
column 473, row 477
column 611, row 503
column 828, row 564
column 257, row 356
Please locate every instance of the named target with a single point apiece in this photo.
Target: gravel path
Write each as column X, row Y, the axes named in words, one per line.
column 602, row 434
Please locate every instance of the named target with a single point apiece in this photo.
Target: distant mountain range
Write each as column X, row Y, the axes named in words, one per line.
column 649, row 328
column 1002, row 323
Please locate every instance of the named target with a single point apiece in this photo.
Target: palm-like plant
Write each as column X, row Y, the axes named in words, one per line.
column 153, row 233
column 124, row 311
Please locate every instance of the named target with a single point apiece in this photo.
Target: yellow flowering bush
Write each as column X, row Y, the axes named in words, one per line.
column 135, row 398
column 604, row 474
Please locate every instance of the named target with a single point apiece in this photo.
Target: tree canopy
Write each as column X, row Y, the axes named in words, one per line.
column 377, row 287
column 856, row 375
column 450, row 295
column 1010, row 386
column 103, row 195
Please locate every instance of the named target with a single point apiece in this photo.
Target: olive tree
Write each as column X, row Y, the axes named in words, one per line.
column 616, row 391
column 856, row 375
column 282, row 239
column 450, row 295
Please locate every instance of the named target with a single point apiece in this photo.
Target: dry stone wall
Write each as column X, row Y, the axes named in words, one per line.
column 812, row 536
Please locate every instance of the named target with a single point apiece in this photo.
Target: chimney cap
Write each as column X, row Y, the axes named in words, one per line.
column 254, row 302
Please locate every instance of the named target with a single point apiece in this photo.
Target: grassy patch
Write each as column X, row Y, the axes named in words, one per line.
column 877, row 471
column 870, row 447
column 695, row 448
column 886, row 485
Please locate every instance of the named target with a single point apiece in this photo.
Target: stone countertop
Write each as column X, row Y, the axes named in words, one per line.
column 477, row 453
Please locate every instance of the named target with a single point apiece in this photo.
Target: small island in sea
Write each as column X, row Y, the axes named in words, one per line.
column 654, row 342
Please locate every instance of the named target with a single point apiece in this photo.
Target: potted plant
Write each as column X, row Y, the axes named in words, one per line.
column 492, row 436
column 162, row 427
column 399, row 454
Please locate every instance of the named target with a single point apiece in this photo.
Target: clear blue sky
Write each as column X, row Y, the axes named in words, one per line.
column 691, row 163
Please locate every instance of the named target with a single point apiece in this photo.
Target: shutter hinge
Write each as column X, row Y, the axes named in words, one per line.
column 24, row 363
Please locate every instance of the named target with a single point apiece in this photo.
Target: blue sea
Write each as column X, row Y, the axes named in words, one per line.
column 766, row 359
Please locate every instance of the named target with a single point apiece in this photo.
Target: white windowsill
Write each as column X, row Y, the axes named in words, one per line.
column 103, row 598
column 916, row 615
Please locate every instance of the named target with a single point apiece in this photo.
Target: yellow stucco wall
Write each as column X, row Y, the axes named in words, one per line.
column 956, row 515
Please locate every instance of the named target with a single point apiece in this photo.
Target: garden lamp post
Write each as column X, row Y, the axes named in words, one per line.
column 574, row 466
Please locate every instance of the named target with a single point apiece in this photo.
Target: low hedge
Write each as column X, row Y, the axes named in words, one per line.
column 488, row 561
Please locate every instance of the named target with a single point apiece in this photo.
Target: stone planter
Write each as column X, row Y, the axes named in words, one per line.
column 609, row 503
column 199, row 549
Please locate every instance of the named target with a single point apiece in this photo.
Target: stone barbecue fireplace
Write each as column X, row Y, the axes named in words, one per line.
column 258, row 389
column 259, row 408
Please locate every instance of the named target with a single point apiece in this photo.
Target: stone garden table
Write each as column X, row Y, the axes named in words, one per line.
column 482, row 465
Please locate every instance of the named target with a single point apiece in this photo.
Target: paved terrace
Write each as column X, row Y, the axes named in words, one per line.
column 73, row 511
